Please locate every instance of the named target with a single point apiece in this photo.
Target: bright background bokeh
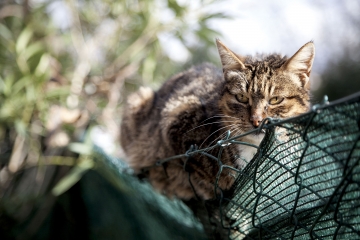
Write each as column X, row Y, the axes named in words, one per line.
column 66, row 67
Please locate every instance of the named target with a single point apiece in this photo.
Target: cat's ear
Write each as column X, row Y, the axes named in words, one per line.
column 301, row 62
column 229, row 59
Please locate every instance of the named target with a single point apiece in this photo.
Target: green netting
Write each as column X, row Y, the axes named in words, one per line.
column 144, row 213
column 106, row 203
column 303, row 183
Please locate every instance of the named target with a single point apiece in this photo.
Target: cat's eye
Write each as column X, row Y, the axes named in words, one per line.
column 242, row 98
column 276, row 100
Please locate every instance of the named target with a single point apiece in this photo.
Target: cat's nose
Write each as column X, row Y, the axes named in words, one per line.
column 256, row 120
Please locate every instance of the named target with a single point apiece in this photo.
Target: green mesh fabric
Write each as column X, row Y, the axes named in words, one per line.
column 106, row 203
column 304, row 182
column 148, row 214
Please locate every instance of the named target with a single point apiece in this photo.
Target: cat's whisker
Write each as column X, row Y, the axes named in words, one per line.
column 224, row 115
column 238, row 132
column 219, row 116
column 202, row 125
column 213, row 134
column 215, row 116
column 223, row 134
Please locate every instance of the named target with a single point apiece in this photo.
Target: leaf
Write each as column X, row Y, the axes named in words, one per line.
column 22, row 64
column 149, row 68
column 57, row 92
column 31, row 93
column 80, row 148
column 20, row 127
column 8, row 83
column 32, row 50
column 214, row 16
column 207, row 34
column 176, row 7
column 5, row 32
column 2, row 85
column 18, row 154
column 72, row 177
column 43, row 65
column 21, row 84
column 23, row 39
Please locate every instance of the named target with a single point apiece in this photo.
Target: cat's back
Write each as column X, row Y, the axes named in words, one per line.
column 198, row 80
column 154, row 123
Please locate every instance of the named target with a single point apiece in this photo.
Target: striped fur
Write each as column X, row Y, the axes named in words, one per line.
column 197, row 107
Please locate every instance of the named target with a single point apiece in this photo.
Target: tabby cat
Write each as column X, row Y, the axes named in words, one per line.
column 198, row 106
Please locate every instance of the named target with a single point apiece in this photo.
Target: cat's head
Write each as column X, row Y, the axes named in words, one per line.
column 265, row 86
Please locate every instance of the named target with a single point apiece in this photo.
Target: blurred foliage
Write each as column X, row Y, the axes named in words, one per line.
column 67, row 66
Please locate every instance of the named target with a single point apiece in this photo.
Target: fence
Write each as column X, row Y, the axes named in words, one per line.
column 304, row 181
